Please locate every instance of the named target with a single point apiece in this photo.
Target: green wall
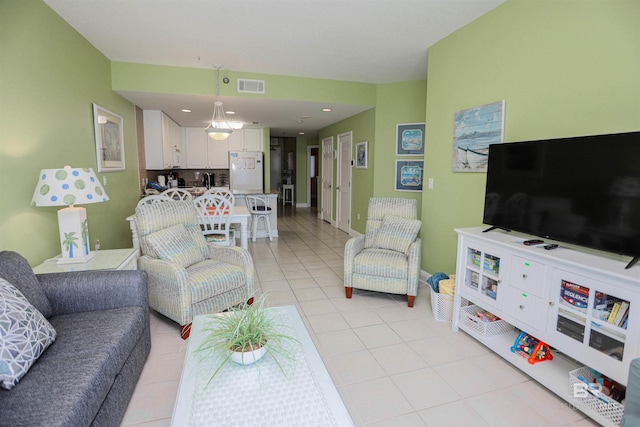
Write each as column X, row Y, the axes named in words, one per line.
column 395, row 103
column 564, row 68
column 49, row 79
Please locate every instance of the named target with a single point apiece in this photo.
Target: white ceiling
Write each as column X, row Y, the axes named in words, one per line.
column 370, row 41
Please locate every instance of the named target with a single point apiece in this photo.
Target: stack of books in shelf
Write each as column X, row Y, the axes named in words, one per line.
column 619, row 314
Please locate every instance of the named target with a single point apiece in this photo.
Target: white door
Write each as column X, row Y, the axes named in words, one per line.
column 343, row 186
column 327, row 178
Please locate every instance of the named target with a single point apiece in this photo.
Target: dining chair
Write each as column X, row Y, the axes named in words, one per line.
column 154, row 198
column 215, row 212
column 177, row 194
column 224, row 193
column 259, row 209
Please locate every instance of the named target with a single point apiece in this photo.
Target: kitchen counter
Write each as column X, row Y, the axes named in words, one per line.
column 199, row 191
column 272, row 200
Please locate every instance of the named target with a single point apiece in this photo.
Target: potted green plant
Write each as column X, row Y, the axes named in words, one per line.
column 244, row 334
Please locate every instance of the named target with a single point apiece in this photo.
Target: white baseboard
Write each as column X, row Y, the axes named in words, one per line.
column 354, row 233
column 424, row 276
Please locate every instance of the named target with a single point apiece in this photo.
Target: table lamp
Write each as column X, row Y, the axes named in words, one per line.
column 68, row 187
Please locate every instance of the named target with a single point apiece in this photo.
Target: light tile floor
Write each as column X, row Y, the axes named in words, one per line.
column 393, row 365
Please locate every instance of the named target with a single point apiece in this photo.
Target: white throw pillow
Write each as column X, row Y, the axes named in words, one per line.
column 396, row 233
column 24, row 335
column 181, row 245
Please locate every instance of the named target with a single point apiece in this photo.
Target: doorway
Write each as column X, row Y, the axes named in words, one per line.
column 343, row 186
column 312, row 184
column 327, row 179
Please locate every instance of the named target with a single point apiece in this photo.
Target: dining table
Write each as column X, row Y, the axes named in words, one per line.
column 240, row 215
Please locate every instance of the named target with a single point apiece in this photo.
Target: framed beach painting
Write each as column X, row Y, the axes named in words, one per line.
column 410, row 139
column 109, row 134
column 474, row 130
column 362, row 154
column 409, row 175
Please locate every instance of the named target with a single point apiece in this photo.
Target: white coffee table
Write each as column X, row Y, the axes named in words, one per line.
column 259, row 395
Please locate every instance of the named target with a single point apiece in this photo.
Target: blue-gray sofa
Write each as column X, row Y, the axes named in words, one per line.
column 88, row 374
column 631, row 417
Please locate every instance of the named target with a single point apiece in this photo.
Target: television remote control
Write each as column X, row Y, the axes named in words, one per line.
column 533, row 242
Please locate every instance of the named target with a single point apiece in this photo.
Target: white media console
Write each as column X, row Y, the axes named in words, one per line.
column 563, row 297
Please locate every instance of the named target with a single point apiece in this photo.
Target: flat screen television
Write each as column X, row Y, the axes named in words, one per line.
column 582, row 190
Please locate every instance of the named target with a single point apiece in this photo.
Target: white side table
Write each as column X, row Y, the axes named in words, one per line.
column 108, row 259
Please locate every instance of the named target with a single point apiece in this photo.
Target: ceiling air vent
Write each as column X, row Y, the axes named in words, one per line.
column 250, row 86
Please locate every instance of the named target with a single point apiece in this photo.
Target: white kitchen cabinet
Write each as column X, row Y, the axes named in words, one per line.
column 246, row 140
column 163, row 141
column 563, row 297
column 203, row 152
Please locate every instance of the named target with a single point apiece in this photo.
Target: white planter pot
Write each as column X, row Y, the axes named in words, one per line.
column 247, row 358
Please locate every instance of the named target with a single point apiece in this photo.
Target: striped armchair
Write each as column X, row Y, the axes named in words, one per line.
column 186, row 275
column 387, row 257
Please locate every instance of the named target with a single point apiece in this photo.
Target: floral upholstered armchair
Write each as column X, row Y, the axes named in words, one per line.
column 186, row 275
column 387, row 257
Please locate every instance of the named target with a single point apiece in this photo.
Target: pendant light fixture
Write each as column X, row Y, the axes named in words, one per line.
column 219, row 128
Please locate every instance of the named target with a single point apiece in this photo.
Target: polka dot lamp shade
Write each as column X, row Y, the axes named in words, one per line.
column 68, row 186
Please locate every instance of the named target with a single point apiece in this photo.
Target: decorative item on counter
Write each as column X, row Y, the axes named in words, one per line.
column 156, row 186
column 531, row 348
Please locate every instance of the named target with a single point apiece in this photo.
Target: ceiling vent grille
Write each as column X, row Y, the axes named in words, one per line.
column 250, row 86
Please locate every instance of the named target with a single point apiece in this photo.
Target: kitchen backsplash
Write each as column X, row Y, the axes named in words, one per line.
column 191, row 177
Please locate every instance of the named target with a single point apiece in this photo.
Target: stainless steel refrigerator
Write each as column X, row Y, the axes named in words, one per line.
column 246, row 172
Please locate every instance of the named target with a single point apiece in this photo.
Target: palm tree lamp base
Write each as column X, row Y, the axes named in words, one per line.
column 74, row 235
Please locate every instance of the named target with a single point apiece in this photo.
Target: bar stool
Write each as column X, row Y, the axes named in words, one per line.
column 287, row 194
column 259, row 209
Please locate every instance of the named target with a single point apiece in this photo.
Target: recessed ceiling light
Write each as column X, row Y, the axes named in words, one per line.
column 304, row 117
column 326, row 110
column 300, row 133
column 229, row 112
column 185, row 110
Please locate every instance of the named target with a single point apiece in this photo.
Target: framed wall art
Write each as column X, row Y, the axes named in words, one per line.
column 410, row 139
column 109, row 134
column 409, row 175
column 362, row 154
column 474, row 130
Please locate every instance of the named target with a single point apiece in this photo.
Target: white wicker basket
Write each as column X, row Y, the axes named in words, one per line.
column 606, row 406
column 484, row 329
column 441, row 306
